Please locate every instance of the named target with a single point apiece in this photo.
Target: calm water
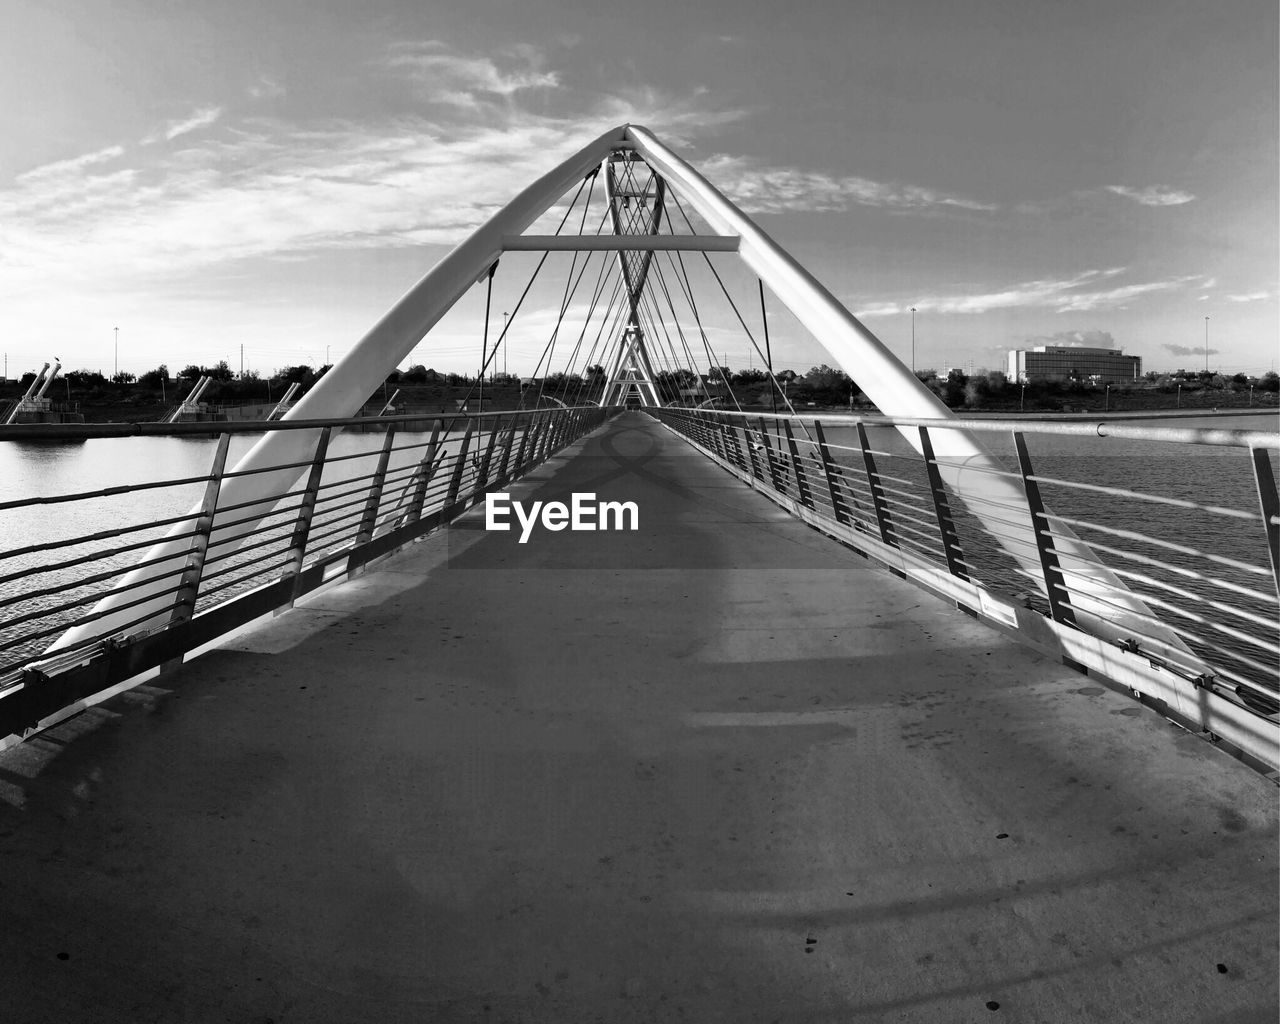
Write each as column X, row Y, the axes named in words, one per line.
column 1206, row 475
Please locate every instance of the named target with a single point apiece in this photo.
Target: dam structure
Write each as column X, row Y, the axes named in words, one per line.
column 901, row 716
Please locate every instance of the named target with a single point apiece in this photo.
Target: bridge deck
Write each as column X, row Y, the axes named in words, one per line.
column 719, row 769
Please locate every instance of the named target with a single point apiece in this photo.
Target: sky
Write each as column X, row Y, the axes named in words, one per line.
column 262, row 180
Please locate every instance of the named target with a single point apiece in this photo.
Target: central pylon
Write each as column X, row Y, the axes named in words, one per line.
column 635, row 208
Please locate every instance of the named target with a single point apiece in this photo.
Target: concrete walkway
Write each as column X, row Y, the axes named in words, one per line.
column 719, row 769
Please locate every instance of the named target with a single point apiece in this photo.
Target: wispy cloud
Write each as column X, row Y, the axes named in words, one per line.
column 1249, row 297
column 1152, row 195
column 1076, row 339
column 1185, row 350
column 265, row 88
column 202, row 118
column 759, row 189
column 443, row 76
column 1081, row 293
column 267, row 188
column 69, row 168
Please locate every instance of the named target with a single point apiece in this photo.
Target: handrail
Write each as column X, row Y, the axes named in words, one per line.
column 1002, row 425
column 985, row 552
column 241, row 552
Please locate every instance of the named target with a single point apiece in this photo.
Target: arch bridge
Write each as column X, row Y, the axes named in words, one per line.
column 896, row 715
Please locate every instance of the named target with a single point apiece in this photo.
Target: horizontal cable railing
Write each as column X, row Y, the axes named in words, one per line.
column 1171, row 538
column 174, row 557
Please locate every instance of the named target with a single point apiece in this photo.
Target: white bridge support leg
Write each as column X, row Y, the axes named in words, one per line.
column 343, row 390
column 1100, row 599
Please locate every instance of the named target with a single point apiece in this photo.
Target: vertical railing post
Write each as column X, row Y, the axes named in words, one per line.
column 506, row 448
column 459, row 467
column 942, row 509
column 1055, row 583
column 482, row 477
column 1269, row 503
column 768, row 456
column 883, row 523
column 184, row 601
column 824, row 455
column 369, row 518
column 425, row 472
column 802, row 478
column 530, row 427
column 751, row 451
column 541, row 449
column 731, row 441
column 306, row 512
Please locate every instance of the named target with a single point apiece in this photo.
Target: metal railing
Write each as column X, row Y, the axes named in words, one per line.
column 1167, row 592
column 101, row 584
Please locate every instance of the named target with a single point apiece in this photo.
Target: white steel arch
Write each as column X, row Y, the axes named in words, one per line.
column 1099, row 600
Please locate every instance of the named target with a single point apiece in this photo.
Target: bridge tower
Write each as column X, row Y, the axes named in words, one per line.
column 635, row 208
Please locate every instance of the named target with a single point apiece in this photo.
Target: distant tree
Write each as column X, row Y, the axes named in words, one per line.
column 595, row 374
column 1270, row 381
column 300, row 374
column 746, row 378
column 123, row 377
column 825, row 378
column 997, row 381
column 952, row 389
column 155, row 378
column 1240, row 379
column 85, row 378
column 219, row 371
column 719, row 374
column 190, row 372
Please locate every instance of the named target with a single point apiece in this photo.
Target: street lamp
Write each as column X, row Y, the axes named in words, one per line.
column 1022, row 399
column 1106, row 400
column 913, row 340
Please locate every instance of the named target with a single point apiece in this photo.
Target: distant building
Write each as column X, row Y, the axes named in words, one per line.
column 1073, row 363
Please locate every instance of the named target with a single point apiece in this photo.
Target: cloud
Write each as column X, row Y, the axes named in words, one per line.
column 1076, row 339
column 758, row 189
column 1064, row 295
column 266, row 188
column 202, row 118
column 70, row 168
column 471, row 82
column 1184, row 350
column 1152, row 195
column 265, row 88
column 1250, row 297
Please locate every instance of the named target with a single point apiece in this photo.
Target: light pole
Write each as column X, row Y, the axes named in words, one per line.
column 1106, row 400
column 913, row 339
column 117, row 370
column 1206, row 346
column 1022, row 399
column 505, row 343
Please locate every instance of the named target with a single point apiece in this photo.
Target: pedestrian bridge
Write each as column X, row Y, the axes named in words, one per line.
column 722, row 767
column 870, row 718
